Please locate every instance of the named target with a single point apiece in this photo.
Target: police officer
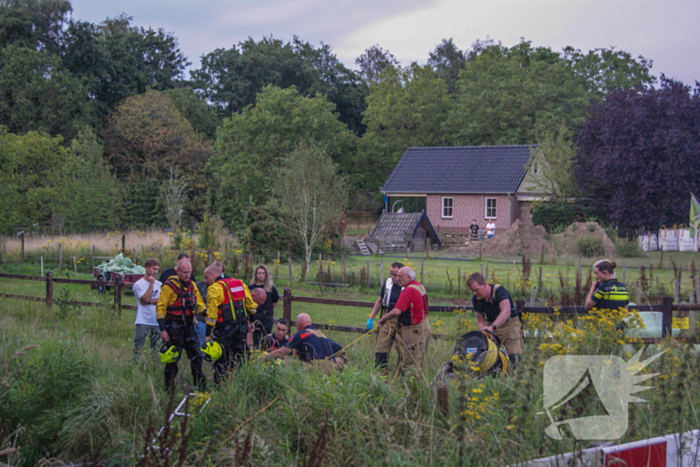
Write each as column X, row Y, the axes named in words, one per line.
column 607, row 293
column 388, row 297
column 178, row 303
column 229, row 305
column 411, row 312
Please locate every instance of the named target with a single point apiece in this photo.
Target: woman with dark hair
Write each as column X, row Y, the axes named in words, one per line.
column 607, row 293
column 264, row 318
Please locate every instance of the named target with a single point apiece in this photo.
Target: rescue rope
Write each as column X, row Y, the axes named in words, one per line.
column 249, row 419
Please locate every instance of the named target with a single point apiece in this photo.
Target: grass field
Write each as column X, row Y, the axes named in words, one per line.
column 79, row 391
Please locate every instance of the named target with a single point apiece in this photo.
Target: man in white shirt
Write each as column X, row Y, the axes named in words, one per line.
column 490, row 228
column 147, row 290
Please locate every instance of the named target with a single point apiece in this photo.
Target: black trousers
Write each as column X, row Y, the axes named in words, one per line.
column 263, row 326
column 184, row 337
column 232, row 339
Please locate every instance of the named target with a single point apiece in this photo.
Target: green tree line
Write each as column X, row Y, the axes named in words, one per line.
column 100, row 120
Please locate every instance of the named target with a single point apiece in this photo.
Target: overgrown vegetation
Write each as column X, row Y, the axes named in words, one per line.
column 79, row 391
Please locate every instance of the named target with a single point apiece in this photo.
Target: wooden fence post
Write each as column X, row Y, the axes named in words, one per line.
column 75, row 267
column 533, row 296
column 60, row 257
column 289, row 262
column 443, row 398
column 422, row 262
column 23, row 247
column 343, row 267
column 539, row 280
column 49, row 290
column 639, row 292
column 624, row 274
column 381, row 273
column 4, row 255
column 118, row 295
column 676, row 291
column 368, row 280
column 287, row 307
column 123, row 243
column 92, row 258
column 667, row 317
column 520, row 305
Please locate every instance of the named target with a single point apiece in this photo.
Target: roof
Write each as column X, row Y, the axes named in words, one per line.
column 462, row 169
column 396, row 224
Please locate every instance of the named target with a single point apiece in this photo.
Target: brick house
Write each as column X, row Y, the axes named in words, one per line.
column 457, row 184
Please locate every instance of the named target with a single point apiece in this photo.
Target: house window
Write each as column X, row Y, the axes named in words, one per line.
column 490, row 208
column 447, row 208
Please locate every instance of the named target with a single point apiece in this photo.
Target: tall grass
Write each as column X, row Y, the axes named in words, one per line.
column 80, row 392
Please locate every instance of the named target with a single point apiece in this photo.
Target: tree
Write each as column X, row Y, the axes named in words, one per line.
column 38, row 94
column 35, row 24
column 195, row 109
column 406, row 108
column 605, row 70
column 447, row 61
column 89, row 196
column 28, row 176
column 250, row 145
column 637, row 155
column 309, row 193
column 550, row 165
column 145, row 136
column 373, row 62
column 118, row 60
column 508, row 96
column 232, row 78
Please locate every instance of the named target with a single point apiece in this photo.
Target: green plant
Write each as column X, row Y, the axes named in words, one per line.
column 628, row 248
column 590, row 246
column 66, row 304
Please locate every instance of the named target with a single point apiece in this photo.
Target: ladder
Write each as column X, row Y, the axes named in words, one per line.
column 363, row 247
column 178, row 412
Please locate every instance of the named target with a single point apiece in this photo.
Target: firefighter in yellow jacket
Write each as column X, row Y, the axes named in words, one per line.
column 229, row 305
column 178, row 303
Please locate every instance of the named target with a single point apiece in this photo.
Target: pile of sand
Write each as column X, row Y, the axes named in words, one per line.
column 565, row 243
column 520, row 238
column 533, row 241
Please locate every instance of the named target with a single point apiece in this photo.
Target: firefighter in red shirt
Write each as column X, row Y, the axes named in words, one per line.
column 411, row 311
column 229, row 306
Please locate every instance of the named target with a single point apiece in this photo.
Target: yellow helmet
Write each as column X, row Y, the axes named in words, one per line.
column 212, row 351
column 169, row 353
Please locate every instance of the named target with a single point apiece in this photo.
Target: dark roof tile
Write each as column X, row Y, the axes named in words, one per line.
column 463, row 169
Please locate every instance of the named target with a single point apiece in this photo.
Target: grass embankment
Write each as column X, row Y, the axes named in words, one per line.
column 79, row 391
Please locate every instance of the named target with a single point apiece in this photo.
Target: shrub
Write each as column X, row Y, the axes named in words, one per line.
column 590, row 245
column 628, row 248
column 554, row 215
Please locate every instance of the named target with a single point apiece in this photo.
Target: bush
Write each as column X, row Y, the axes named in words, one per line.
column 590, row 246
column 557, row 215
column 628, row 248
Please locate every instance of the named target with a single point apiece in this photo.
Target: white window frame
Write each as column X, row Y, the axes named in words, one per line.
column 487, row 207
column 451, row 207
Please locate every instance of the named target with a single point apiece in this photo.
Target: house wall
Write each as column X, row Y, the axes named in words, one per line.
column 468, row 207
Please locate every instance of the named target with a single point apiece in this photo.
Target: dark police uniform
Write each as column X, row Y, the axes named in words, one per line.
column 611, row 295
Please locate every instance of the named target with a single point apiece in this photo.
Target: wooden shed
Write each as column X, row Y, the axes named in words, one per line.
column 405, row 232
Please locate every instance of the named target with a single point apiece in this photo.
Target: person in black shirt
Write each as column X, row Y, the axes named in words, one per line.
column 388, row 296
column 265, row 317
column 607, row 293
column 277, row 339
column 171, row 271
column 496, row 312
column 474, row 229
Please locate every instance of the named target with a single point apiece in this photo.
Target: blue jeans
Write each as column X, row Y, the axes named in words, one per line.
column 489, row 235
column 201, row 330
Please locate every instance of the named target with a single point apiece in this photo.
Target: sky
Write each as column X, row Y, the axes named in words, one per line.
column 411, row 29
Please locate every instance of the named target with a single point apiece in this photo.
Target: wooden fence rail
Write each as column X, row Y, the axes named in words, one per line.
column 666, row 308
